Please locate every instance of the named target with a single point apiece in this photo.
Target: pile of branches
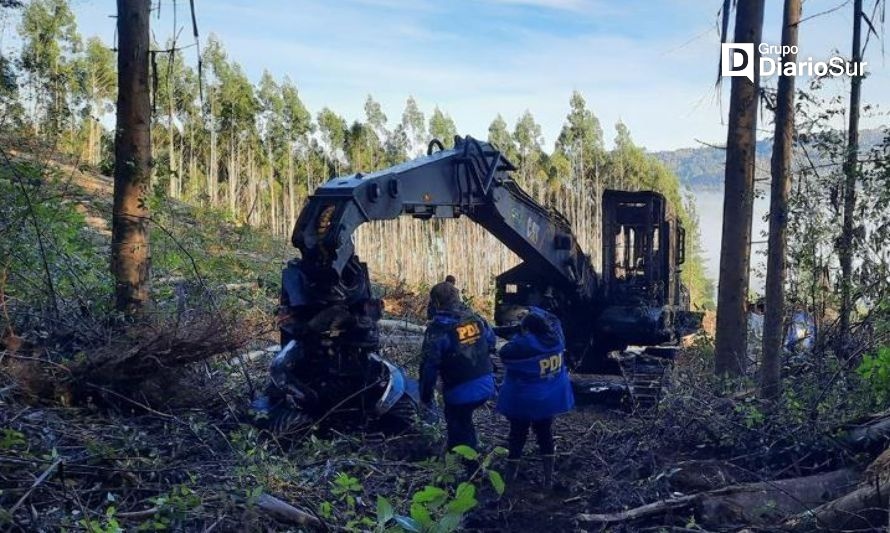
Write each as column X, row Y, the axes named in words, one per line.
column 724, row 460
column 144, row 350
column 146, row 356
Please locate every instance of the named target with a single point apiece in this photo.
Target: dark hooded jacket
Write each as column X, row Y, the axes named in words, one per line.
column 536, row 383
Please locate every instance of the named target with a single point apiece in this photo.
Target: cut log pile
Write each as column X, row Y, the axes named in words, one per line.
column 842, row 499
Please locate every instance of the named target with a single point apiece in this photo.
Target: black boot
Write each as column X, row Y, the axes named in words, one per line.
column 511, row 473
column 548, row 461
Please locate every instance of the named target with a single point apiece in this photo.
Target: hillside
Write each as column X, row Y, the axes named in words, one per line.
column 701, row 168
column 147, row 425
column 110, row 427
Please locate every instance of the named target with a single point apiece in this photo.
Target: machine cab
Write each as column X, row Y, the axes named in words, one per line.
column 643, row 248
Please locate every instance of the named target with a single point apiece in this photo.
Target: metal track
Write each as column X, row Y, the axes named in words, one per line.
column 647, row 374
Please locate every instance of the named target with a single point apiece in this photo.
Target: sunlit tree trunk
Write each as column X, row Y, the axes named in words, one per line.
column 212, row 181
column 778, row 211
column 233, row 175
column 292, row 205
column 738, row 200
column 851, row 169
column 130, row 257
column 171, row 163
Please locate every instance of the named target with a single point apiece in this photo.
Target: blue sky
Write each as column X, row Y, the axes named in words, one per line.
column 649, row 63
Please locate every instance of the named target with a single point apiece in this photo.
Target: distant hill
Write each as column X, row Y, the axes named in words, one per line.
column 702, row 168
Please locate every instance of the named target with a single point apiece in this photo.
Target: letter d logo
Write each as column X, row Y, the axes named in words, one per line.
column 737, row 59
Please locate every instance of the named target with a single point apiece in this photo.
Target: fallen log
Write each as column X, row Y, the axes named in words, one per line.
column 285, row 512
column 254, row 355
column 758, row 504
column 650, row 510
column 705, row 475
column 862, row 509
column 241, row 286
column 871, row 437
column 402, row 325
column 401, row 340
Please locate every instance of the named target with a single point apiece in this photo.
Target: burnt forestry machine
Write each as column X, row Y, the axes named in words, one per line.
column 637, row 300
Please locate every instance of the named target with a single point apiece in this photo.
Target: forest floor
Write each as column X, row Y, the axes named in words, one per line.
column 168, row 447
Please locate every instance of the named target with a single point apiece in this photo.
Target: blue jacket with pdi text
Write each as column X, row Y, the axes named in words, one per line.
column 536, row 383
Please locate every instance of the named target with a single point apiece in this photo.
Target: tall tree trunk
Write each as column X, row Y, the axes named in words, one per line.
column 851, row 169
column 213, row 166
column 98, row 148
column 179, row 162
column 90, row 120
column 291, row 213
column 172, row 185
column 233, row 179
column 738, row 200
column 778, row 210
column 130, row 257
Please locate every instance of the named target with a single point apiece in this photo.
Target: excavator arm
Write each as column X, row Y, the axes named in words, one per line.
column 471, row 179
column 636, row 302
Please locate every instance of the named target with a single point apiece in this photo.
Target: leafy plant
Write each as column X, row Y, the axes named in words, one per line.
column 347, row 489
column 875, row 370
column 108, row 523
column 10, row 439
column 173, row 507
column 435, row 509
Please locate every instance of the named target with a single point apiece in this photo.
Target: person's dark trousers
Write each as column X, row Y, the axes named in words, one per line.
column 459, row 422
column 519, row 433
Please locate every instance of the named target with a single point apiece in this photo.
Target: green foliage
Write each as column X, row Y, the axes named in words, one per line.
column 49, row 256
column 11, row 439
column 442, row 127
column 347, row 490
column 107, row 524
column 442, row 510
column 875, row 370
column 751, row 414
column 173, row 508
column 50, row 42
column 499, row 136
column 466, row 452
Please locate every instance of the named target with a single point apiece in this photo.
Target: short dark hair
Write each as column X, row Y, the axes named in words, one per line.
column 535, row 324
column 450, row 279
column 445, row 296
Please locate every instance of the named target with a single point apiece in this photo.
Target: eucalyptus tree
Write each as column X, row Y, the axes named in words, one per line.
column 272, row 132
column 130, row 256
column 442, row 127
column 96, row 74
column 49, row 42
column 529, row 141
column 738, row 200
column 413, row 125
column 297, row 124
column 234, row 116
column 780, row 189
column 175, row 103
column 499, row 136
column 332, row 128
column 581, row 137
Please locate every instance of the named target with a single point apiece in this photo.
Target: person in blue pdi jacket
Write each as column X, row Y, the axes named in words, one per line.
column 457, row 347
column 536, row 388
column 438, row 289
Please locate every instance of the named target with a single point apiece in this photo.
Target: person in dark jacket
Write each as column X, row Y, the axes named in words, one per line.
column 457, row 347
column 438, row 289
column 536, row 387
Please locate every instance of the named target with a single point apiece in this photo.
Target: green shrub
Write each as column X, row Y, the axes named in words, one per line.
column 875, row 370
